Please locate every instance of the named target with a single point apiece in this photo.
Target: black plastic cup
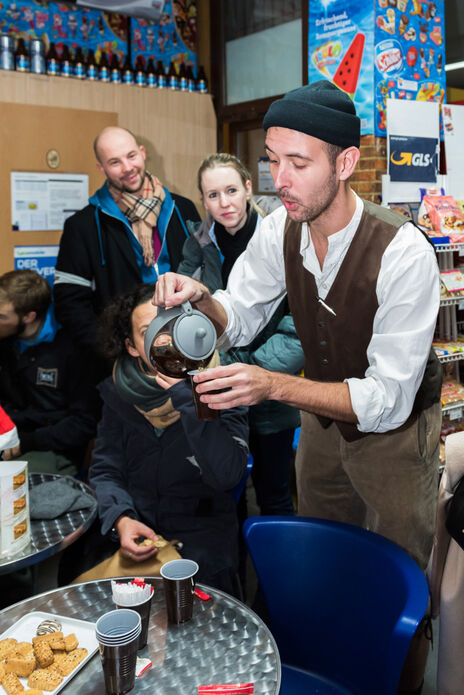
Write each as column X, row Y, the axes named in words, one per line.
column 179, row 588
column 118, row 634
column 119, row 664
column 143, row 609
column 203, row 411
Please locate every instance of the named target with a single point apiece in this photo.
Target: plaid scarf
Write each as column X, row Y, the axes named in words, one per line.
column 142, row 212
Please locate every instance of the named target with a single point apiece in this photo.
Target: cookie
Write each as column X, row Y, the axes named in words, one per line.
column 34, row 691
column 6, row 646
column 43, row 654
column 20, row 665
column 12, row 684
column 70, row 642
column 44, row 680
column 48, row 638
column 69, row 663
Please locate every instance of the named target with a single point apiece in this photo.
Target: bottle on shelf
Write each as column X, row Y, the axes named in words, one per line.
column 21, row 56
column 202, row 81
column 91, row 66
column 37, row 56
column 127, row 71
column 183, row 81
column 115, row 71
column 151, row 74
column 103, row 68
column 7, row 60
column 140, row 74
column 173, row 79
column 161, row 75
column 66, row 62
column 79, row 64
column 52, row 60
column 190, row 79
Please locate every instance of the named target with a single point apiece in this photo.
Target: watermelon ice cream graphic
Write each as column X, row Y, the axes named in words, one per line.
column 347, row 74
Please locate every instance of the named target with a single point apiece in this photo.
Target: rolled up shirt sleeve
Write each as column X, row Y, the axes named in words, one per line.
column 256, row 283
column 408, row 293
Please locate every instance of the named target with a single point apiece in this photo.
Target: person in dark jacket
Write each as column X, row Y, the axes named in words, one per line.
column 209, row 254
column 155, row 467
column 132, row 230
column 44, row 383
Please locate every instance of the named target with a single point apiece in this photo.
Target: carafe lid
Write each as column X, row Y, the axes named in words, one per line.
column 194, row 335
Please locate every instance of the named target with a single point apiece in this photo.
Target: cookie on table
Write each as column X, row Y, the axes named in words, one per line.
column 20, row 665
column 43, row 654
column 12, row 684
column 44, row 680
column 48, row 638
column 6, row 646
column 69, row 663
column 71, row 642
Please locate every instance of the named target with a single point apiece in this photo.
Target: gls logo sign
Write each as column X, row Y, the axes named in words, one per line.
column 413, row 159
column 416, row 159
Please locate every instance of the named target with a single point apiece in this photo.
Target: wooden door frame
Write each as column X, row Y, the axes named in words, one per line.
column 245, row 115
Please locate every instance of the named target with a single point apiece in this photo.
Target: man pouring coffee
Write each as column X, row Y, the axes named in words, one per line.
column 363, row 288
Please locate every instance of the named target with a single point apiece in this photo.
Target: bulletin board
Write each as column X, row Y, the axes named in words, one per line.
column 35, row 132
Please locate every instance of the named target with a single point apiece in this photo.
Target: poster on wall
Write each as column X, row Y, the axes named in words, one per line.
column 66, row 24
column 41, row 258
column 340, row 49
column 409, row 53
column 45, row 201
column 172, row 38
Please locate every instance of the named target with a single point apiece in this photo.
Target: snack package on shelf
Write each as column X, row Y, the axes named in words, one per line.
column 451, row 392
column 443, row 348
column 451, row 283
column 446, row 217
column 423, row 218
column 403, row 208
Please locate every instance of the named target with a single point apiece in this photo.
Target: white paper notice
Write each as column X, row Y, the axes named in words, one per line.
column 453, row 122
column 45, row 201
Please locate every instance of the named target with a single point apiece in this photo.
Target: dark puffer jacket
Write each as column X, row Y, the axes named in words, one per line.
column 179, row 482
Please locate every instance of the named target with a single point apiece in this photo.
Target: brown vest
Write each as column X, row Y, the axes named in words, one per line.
column 336, row 346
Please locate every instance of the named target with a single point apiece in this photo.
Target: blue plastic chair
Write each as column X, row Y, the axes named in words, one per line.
column 239, row 488
column 343, row 602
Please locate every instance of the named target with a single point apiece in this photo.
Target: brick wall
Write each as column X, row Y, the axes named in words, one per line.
column 367, row 179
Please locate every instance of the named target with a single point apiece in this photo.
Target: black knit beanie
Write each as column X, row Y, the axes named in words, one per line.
column 319, row 109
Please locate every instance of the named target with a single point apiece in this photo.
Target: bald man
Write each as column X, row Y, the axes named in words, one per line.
column 132, row 230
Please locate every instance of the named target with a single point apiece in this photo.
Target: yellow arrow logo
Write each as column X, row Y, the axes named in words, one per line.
column 405, row 158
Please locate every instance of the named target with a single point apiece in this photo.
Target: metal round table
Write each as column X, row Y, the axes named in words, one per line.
column 49, row 536
column 225, row 642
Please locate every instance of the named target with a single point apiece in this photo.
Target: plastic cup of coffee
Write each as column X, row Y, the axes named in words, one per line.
column 179, row 588
column 143, row 609
column 203, row 411
column 118, row 635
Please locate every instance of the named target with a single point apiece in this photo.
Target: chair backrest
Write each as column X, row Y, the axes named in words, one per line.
column 343, row 602
column 239, row 488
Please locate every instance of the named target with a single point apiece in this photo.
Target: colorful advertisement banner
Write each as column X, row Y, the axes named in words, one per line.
column 409, row 53
column 341, row 49
column 41, row 258
column 66, row 24
column 413, row 159
column 172, row 38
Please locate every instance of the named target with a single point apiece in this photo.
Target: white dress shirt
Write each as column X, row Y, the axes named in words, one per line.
column 408, row 294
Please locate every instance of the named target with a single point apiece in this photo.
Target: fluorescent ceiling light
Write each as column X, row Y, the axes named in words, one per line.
column 454, row 66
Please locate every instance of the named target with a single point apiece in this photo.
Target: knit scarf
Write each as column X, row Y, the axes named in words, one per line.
column 233, row 245
column 142, row 212
column 140, row 389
